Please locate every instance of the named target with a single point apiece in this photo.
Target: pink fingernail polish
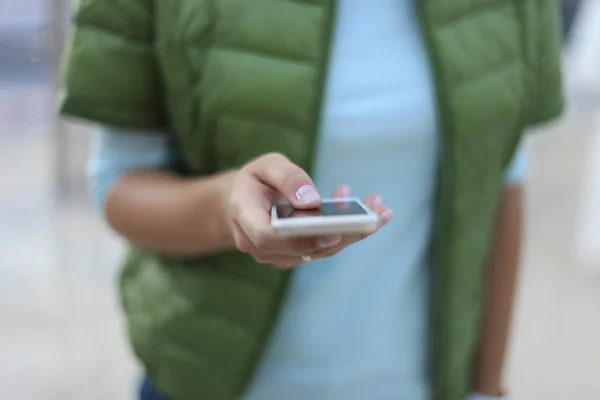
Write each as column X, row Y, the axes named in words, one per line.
column 345, row 191
column 377, row 202
column 307, row 194
column 386, row 216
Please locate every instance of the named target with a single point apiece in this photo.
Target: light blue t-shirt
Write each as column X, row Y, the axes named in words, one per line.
column 353, row 326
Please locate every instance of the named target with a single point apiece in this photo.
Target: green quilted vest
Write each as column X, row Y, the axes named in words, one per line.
column 233, row 79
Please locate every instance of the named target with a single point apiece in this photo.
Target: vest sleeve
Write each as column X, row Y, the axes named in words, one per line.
column 109, row 71
column 549, row 96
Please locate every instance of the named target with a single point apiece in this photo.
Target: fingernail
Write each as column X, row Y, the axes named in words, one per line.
column 328, row 241
column 377, row 202
column 307, row 194
column 386, row 216
column 345, row 191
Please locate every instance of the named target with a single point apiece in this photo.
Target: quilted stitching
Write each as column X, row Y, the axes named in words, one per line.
column 235, row 79
column 498, row 41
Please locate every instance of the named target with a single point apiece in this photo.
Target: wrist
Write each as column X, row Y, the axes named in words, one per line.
column 223, row 193
column 215, row 216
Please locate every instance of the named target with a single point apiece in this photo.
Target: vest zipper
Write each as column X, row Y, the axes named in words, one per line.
column 443, row 214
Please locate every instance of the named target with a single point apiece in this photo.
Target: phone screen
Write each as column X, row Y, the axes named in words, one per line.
column 327, row 209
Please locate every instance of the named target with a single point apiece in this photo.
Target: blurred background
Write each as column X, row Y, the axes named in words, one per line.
column 61, row 334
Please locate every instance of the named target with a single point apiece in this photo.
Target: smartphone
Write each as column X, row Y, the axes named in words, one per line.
column 347, row 216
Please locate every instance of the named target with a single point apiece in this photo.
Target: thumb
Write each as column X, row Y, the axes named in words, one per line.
column 291, row 181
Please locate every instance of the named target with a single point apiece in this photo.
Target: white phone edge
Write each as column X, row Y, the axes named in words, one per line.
column 332, row 225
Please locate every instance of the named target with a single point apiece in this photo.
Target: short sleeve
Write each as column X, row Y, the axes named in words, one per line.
column 116, row 152
column 549, row 93
column 109, row 70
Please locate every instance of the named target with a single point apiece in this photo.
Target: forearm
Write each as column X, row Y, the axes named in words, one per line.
column 501, row 284
column 171, row 215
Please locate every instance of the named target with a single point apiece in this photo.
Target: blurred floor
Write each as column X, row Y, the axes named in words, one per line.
column 62, row 337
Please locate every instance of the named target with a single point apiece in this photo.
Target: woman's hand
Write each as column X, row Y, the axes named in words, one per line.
column 266, row 180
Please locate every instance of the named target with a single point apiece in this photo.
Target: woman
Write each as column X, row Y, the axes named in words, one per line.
column 208, row 111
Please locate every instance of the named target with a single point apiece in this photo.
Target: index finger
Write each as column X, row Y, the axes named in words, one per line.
column 291, row 181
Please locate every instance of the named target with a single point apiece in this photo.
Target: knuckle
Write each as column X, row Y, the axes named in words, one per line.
column 235, row 208
column 293, row 177
column 265, row 161
column 262, row 241
column 261, row 258
column 245, row 246
column 286, row 265
column 275, row 157
column 286, row 170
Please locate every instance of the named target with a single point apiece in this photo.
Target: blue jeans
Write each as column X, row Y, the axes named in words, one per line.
column 150, row 392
